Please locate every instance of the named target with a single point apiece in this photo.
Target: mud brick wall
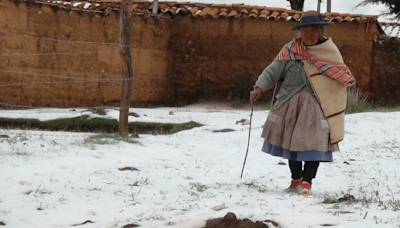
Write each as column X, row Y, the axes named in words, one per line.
column 216, row 51
column 385, row 83
column 150, row 57
column 172, row 55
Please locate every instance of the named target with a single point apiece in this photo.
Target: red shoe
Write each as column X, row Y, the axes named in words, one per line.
column 304, row 188
column 293, row 186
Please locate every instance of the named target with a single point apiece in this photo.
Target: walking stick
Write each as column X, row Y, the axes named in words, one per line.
column 248, row 140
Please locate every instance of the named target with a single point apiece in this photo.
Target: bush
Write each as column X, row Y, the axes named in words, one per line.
column 356, row 102
column 242, row 86
column 204, row 90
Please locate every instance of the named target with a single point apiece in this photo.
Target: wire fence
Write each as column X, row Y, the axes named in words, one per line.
column 57, row 79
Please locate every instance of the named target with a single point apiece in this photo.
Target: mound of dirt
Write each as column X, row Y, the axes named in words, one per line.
column 230, row 221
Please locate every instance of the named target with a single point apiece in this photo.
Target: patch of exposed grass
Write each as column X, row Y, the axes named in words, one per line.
column 107, row 138
column 356, row 102
column 268, row 106
column 184, row 126
column 98, row 111
column 224, row 130
column 86, row 124
column 330, row 201
column 238, row 103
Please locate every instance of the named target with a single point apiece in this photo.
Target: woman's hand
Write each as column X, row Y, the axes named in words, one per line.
column 255, row 94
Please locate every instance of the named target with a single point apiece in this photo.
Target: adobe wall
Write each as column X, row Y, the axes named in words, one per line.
column 172, row 57
column 385, row 83
column 216, row 51
column 150, row 57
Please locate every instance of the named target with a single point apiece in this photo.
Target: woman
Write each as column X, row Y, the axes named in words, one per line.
column 306, row 122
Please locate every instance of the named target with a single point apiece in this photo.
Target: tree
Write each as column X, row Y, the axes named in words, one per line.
column 393, row 5
column 296, row 4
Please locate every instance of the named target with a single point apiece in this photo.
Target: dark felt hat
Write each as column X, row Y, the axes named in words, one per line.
column 311, row 18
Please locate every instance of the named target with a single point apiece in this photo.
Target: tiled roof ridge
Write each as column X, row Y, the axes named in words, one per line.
column 202, row 10
column 385, row 23
column 391, row 29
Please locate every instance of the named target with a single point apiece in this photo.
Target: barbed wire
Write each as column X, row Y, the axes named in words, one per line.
column 61, row 82
column 76, row 79
column 48, row 75
column 61, row 41
column 55, row 53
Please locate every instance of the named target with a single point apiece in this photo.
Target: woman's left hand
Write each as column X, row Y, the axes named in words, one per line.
column 255, row 94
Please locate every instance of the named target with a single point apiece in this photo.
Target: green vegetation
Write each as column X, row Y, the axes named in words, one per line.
column 224, row 130
column 356, row 102
column 86, row 124
column 107, row 138
column 184, row 126
column 268, row 106
column 98, row 111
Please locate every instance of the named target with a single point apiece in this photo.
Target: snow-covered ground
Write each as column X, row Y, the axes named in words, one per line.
column 54, row 179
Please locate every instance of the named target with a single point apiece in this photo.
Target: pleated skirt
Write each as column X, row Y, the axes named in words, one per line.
column 298, row 131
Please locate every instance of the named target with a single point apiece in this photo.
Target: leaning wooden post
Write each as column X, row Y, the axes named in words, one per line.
column 125, row 20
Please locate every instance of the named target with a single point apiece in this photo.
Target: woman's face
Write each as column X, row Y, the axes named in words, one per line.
column 309, row 35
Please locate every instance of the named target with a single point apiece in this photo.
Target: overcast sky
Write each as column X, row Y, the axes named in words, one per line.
column 340, row 6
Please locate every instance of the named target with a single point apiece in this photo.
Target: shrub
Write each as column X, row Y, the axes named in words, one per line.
column 242, row 86
column 356, row 102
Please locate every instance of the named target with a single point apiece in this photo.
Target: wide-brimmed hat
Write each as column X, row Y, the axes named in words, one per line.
column 311, row 18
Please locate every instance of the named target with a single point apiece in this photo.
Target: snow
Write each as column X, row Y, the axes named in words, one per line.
column 54, row 179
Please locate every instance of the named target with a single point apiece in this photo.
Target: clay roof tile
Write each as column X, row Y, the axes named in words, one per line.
column 204, row 12
column 218, row 5
column 263, row 15
column 223, row 10
column 237, row 5
column 254, row 11
column 194, row 10
column 290, row 11
column 275, row 15
column 253, row 15
column 222, row 14
column 338, row 18
column 172, row 10
column 244, row 11
column 265, row 11
column 296, row 16
column 348, row 19
column 274, row 9
column 284, row 15
column 232, row 13
column 214, row 13
column 161, row 6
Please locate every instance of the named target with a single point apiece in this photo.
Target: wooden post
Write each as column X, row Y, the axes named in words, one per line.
column 319, row 6
column 125, row 28
column 328, row 6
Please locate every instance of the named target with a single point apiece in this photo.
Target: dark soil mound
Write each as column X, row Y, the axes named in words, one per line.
column 230, row 221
